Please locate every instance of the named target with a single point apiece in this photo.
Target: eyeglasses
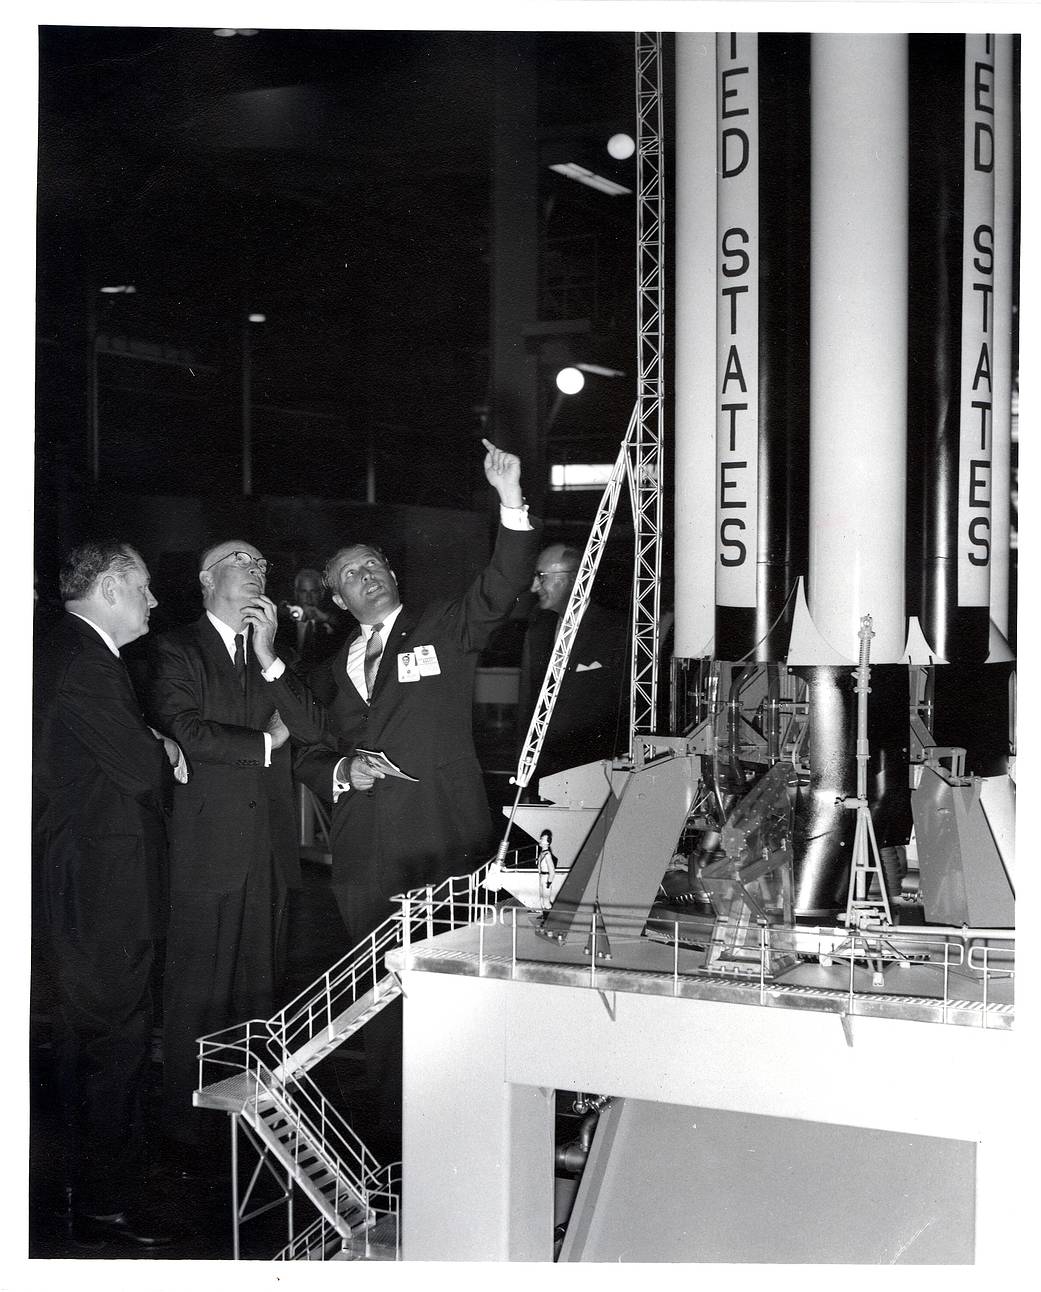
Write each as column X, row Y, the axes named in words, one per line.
column 241, row 561
column 543, row 575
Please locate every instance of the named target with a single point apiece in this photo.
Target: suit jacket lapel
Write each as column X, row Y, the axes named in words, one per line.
column 392, row 647
column 92, row 641
column 212, row 644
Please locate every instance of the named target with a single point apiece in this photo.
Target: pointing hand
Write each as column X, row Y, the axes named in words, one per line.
column 503, row 470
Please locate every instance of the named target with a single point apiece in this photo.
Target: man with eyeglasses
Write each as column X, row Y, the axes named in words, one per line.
column 233, row 845
column 588, row 716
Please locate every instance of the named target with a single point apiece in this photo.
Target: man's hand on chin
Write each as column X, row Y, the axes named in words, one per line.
column 262, row 613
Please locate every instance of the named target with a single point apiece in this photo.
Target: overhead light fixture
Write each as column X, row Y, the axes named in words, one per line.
column 567, row 476
column 590, row 178
column 570, row 381
column 258, row 318
column 125, row 289
column 598, row 371
column 621, row 146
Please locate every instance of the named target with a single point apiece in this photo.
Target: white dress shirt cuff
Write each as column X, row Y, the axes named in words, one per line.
column 181, row 770
column 267, row 748
column 514, row 517
column 273, row 671
column 341, row 778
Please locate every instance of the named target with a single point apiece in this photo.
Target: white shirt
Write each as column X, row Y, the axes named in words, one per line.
column 358, row 647
column 228, row 635
column 181, row 770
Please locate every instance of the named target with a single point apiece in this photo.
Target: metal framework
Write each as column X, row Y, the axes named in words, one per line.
column 640, row 456
column 571, row 618
column 646, row 479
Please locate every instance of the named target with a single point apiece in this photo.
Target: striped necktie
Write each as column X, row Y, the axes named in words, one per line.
column 373, row 651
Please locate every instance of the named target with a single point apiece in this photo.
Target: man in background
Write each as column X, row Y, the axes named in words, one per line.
column 308, row 631
column 591, row 711
column 99, row 853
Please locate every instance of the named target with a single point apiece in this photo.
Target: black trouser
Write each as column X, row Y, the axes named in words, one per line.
column 225, row 955
column 103, row 1033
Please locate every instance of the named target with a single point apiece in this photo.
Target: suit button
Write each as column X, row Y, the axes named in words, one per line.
column 253, row 803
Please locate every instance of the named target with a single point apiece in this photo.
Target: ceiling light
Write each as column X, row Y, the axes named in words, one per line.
column 573, row 171
column 127, row 289
column 570, row 381
column 596, row 369
column 621, row 146
column 258, row 318
column 565, row 476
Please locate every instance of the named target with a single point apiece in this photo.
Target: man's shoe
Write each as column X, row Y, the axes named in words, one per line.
column 117, row 1227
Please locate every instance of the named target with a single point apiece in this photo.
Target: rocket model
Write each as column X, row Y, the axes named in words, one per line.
column 843, row 433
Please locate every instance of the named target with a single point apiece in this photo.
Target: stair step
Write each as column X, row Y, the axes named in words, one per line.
column 320, row 1179
column 343, row 1026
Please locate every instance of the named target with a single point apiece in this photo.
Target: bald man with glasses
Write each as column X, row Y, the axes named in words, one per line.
column 233, row 845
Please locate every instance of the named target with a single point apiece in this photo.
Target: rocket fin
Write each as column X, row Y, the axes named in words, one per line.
column 806, row 645
column 917, row 649
column 1000, row 651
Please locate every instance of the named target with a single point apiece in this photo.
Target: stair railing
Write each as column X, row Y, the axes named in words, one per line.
column 266, row 1047
column 423, row 912
column 316, row 1237
column 315, row 1125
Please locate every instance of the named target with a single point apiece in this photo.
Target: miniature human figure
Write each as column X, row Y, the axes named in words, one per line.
column 547, row 869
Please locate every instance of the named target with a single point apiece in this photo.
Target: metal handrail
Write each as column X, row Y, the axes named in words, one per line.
column 960, row 947
column 325, row 1131
column 319, row 1231
column 449, row 905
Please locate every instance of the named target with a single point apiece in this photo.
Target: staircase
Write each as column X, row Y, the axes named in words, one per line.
column 257, row 1072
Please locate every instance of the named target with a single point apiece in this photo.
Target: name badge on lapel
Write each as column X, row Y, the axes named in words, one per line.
column 408, row 669
column 426, row 659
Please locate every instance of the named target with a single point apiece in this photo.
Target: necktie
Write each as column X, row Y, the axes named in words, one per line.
column 240, row 659
column 373, row 651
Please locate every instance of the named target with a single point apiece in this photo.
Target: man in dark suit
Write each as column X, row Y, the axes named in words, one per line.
column 99, row 859
column 403, row 684
column 233, row 847
column 308, row 632
column 590, row 715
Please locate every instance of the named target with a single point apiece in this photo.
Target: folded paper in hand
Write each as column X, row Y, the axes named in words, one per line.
column 378, row 759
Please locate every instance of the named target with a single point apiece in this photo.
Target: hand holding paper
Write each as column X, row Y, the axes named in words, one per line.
column 381, row 765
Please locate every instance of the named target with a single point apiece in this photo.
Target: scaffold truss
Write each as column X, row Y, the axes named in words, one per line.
column 640, row 456
column 645, row 457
